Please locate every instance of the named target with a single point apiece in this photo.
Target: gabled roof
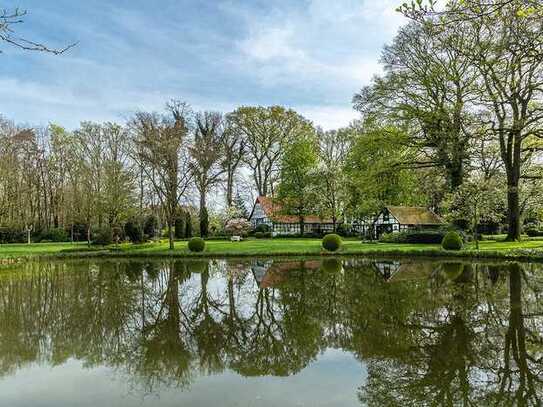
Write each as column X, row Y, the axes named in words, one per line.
column 414, row 215
column 274, row 210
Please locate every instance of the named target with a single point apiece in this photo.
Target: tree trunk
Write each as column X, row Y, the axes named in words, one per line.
column 229, row 189
column 204, row 218
column 170, row 234
column 334, row 223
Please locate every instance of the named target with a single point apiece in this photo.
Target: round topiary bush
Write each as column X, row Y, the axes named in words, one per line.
column 197, row 244
column 259, row 235
column 331, row 242
column 452, row 241
column 264, row 228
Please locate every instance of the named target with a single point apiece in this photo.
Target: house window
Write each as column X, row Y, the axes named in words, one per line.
column 386, row 216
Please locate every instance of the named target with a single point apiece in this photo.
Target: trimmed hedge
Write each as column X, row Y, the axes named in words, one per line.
column 10, row 235
column 331, row 242
column 196, row 244
column 262, row 228
column 54, row 235
column 533, row 232
column 414, row 236
column 452, row 241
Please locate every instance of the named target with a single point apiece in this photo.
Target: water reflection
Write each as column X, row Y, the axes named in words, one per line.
column 428, row 333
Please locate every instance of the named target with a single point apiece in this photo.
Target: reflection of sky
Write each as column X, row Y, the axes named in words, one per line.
column 332, row 380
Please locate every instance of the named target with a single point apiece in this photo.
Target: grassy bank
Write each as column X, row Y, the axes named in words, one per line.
column 526, row 250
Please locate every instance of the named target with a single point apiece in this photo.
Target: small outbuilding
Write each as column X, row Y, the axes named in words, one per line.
column 399, row 218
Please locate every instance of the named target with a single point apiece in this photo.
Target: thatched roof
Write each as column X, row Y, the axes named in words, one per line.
column 414, row 215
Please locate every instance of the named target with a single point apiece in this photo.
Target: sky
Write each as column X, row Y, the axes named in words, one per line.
column 132, row 55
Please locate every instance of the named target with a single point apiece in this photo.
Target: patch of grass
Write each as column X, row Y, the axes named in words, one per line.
column 529, row 249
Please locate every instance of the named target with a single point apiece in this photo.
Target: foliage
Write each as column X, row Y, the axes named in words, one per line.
column 55, row 235
column 238, row 227
column 296, row 190
column 102, row 236
column 180, row 228
column 262, row 227
column 375, row 176
column 414, row 236
column 196, row 244
column 133, row 230
column 150, row 226
column 188, row 225
column 259, row 235
column 452, row 241
column 11, row 235
column 332, row 242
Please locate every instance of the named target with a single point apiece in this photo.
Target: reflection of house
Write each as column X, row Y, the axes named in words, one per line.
column 266, row 211
column 271, row 273
column 395, row 271
column 399, row 218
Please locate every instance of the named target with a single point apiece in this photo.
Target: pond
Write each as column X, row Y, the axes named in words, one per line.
column 290, row 332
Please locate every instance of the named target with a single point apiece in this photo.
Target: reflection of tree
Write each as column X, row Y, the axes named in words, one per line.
column 164, row 352
column 461, row 354
column 458, row 335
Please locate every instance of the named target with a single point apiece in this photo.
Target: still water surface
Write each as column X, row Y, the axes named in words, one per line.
column 348, row 332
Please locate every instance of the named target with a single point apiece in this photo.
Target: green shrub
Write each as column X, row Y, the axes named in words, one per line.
column 452, row 241
column 331, row 242
column 102, row 236
column 55, row 235
column 268, row 235
column 263, row 228
column 197, row 244
column 11, row 235
column 133, row 230
column 150, row 226
column 414, row 236
column 180, row 228
column 259, row 235
column 533, row 231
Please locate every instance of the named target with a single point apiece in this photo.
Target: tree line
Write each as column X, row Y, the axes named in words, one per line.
column 453, row 123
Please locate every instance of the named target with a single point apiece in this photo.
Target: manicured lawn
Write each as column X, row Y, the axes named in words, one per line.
column 263, row 247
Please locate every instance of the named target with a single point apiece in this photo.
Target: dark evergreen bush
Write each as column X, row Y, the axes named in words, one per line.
column 533, row 231
column 197, row 244
column 133, row 230
column 150, row 226
column 12, row 235
column 331, row 242
column 259, row 235
column 262, row 228
column 452, row 241
column 180, row 228
column 188, row 225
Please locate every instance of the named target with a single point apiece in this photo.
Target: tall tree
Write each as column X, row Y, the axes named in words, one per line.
column 266, row 130
column 296, row 190
column 427, row 88
column 506, row 49
column 160, row 146
column 233, row 151
column 206, row 154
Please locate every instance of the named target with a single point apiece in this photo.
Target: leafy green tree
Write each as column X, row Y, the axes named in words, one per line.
column 266, row 131
column 296, row 190
column 375, row 172
column 477, row 200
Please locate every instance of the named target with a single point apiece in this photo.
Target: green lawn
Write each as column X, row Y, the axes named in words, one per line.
column 253, row 247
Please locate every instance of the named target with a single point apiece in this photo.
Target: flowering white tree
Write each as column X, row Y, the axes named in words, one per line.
column 237, row 227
